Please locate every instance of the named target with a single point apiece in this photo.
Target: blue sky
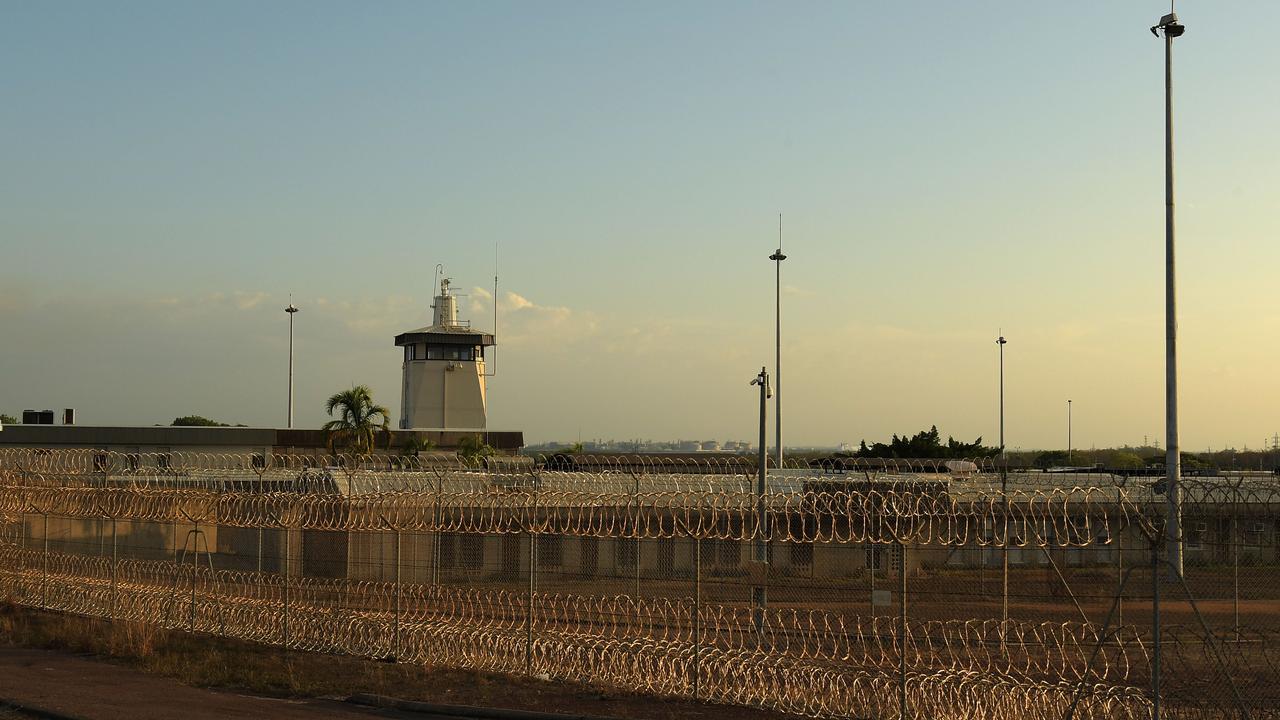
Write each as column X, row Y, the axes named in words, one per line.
column 169, row 172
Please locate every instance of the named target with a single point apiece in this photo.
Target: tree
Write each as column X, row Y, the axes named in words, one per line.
column 926, row 444
column 471, row 449
column 196, row 421
column 8, row 420
column 1189, row 461
column 1124, row 462
column 1051, row 458
column 357, row 424
column 415, row 445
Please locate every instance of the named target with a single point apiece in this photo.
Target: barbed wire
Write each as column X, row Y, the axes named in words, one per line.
column 89, row 460
column 810, row 662
column 1076, row 517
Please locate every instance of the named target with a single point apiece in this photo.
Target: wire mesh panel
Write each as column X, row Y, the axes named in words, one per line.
column 894, row 591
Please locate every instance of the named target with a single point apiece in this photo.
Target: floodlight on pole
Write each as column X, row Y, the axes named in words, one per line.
column 1171, row 28
column 1004, row 495
column 758, row 591
column 291, row 310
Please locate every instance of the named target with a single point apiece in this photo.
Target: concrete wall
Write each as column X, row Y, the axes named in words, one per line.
column 443, row 394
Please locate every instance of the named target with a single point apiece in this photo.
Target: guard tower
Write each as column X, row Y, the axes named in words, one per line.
column 443, row 378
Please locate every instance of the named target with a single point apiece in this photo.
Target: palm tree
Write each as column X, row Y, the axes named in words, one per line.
column 473, row 450
column 415, row 445
column 355, row 426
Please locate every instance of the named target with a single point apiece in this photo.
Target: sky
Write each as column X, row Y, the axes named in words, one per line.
column 172, row 173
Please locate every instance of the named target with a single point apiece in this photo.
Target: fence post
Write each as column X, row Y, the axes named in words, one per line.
column 435, row 534
column 260, row 532
column 1155, row 630
column 1119, row 538
column 697, row 614
column 902, row 625
column 115, row 568
column 982, row 563
column 1235, row 557
column 635, row 500
column 396, row 631
column 44, row 583
column 1004, row 552
column 285, row 623
column 195, row 569
column 870, row 558
column 533, row 584
column 25, row 561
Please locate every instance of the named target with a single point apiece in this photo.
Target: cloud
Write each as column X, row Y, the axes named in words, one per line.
column 514, row 301
column 379, row 316
column 524, row 321
column 479, row 300
column 247, row 300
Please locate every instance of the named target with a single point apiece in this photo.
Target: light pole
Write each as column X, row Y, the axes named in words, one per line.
column 1004, row 501
column 777, row 259
column 1171, row 29
column 1069, row 463
column 291, row 310
column 758, row 595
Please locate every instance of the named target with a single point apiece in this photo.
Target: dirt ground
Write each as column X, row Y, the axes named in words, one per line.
column 100, row 670
column 87, row 688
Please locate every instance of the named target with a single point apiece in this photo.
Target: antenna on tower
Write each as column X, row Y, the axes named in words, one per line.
column 495, row 290
column 495, row 312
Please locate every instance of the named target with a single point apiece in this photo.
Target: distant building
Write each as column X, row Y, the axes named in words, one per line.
column 162, row 439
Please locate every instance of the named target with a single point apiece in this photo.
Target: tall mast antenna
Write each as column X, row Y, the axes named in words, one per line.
column 494, row 366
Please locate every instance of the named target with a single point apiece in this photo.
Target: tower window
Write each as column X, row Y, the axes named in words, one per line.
column 449, row 352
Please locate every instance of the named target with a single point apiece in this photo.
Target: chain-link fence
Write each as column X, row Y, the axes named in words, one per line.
column 885, row 591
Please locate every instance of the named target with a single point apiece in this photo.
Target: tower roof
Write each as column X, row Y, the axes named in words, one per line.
column 445, row 336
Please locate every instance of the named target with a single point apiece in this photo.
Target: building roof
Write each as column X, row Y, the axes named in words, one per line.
column 89, row 436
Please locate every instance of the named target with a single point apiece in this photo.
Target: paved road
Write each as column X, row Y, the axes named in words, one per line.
column 95, row 690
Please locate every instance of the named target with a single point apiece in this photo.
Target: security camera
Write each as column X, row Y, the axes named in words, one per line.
column 1168, row 20
column 763, row 379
